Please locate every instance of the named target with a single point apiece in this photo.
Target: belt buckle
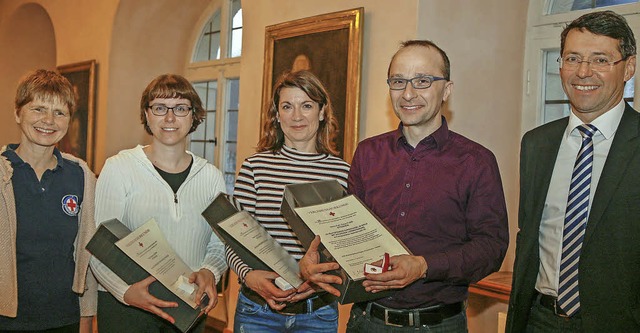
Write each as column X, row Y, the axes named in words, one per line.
column 557, row 309
column 286, row 313
column 386, row 319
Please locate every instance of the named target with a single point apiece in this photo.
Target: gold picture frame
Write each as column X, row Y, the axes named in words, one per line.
column 79, row 140
column 331, row 47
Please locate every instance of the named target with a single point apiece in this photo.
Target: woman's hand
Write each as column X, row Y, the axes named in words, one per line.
column 138, row 295
column 206, row 282
column 262, row 283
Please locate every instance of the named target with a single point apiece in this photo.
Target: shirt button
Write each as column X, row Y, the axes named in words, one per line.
column 402, row 214
column 43, row 189
column 407, row 185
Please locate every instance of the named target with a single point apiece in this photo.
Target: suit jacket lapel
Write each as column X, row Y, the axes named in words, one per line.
column 623, row 147
column 546, row 155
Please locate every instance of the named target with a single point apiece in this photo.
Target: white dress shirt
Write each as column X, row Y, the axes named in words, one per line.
column 552, row 223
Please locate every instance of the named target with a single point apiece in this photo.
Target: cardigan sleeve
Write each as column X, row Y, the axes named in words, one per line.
column 110, row 203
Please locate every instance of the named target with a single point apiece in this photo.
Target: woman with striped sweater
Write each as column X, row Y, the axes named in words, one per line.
column 297, row 146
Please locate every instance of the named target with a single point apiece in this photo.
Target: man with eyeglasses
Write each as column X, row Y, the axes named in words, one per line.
column 577, row 266
column 438, row 191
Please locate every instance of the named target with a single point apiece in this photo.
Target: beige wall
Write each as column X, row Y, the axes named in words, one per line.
column 485, row 44
column 487, row 57
column 133, row 41
column 27, row 41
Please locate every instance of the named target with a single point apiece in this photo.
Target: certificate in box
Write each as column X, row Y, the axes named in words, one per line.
column 103, row 247
column 249, row 240
column 350, row 233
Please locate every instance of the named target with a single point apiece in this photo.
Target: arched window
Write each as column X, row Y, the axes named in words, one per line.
column 544, row 100
column 214, row 71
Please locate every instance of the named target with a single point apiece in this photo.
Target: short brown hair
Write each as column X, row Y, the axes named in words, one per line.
column 47, row 85
column 172, row 86
column 605, row 23
column 272, row 134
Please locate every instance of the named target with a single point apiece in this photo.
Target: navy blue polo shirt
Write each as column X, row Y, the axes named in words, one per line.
column 47, row 212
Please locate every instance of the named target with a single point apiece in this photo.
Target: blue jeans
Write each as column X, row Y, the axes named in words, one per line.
column 362, row 322
column 252, row 317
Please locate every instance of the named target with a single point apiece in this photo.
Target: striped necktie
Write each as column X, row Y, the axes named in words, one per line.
column 575, row 223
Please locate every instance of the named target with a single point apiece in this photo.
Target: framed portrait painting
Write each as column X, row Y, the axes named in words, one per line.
column 79, row 140
column 330, row 46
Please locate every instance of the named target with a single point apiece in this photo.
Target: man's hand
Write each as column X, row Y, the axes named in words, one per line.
column 206, row 282
column 262, row 283
column 138, row 295
column 312, row 271
column 403, row 270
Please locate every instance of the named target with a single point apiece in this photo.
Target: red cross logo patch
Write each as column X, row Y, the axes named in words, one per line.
column 70, row 205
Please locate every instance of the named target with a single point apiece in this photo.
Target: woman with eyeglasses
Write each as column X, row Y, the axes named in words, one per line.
column 165, row 182
column 297, row 147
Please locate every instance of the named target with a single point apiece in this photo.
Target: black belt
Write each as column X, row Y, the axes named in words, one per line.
column 408, row 317
column 551, row 303
column 300, row 307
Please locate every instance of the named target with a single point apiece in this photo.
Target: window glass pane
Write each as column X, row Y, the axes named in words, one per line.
column 229, row 179
column 208, row 46
column 630, row 87
column 236, row 43
column 198, row 134
column 209, row 152
column 564, row 6
column 202, row 140
column 231, row 128
column 202, row 48
column 605, row 3
column 236, row 29
column 201, row 89
column 553, row 87
column 556, row 102
column 211, row 95
column 197, row 148
column 210, row 125
column 234, row 93
column 555, row 111
column 215, row 46
column 236, row 14
column 230, row 158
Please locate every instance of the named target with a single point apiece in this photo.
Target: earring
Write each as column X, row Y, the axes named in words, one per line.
column 321, row 116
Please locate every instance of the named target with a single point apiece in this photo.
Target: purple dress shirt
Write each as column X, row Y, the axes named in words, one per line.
column 444, row 200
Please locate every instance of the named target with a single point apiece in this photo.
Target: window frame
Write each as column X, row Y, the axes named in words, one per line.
column 219, row 70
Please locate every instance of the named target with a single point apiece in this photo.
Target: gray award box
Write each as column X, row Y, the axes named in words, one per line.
column 103, row 247
column 320, row 192
column 223, row 207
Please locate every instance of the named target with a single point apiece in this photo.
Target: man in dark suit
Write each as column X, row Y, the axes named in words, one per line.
column 577, row 266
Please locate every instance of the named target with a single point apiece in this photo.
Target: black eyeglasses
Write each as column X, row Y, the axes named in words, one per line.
column 418, row 82
column 180, row 110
